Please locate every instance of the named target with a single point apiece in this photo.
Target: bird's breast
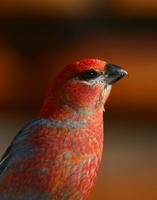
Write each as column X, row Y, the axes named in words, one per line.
column 68, row 158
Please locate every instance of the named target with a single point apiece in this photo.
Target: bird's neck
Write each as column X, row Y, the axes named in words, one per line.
column 51, row 110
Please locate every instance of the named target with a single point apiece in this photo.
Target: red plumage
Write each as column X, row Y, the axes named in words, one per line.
column 57, row 156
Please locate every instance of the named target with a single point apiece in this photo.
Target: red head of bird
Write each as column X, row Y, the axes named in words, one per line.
column 82, row 85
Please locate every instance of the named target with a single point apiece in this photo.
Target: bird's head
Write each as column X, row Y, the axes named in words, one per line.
column 84, row 84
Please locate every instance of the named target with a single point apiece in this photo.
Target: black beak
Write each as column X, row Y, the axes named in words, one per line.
column 113, row 73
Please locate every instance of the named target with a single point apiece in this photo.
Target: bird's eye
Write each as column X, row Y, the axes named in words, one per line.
column 88, row 74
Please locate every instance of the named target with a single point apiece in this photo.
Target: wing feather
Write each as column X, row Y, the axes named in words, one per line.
column 14, row 150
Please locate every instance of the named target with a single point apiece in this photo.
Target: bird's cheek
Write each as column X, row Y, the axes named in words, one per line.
column 81, row 95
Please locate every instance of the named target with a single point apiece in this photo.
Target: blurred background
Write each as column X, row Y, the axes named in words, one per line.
column 39, row 37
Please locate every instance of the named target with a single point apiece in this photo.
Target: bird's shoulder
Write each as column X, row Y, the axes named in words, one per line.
column 19, row 147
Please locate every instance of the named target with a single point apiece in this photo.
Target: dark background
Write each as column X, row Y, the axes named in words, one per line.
column 39, row 37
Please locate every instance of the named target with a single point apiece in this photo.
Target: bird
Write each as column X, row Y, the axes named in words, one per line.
column 56, row 156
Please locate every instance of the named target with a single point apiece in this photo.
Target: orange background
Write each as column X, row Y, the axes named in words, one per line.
column 39, row 37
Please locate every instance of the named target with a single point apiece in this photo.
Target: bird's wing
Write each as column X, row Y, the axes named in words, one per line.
column 15, row 149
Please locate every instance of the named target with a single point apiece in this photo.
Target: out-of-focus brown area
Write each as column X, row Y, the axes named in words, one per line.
column 37, row 38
